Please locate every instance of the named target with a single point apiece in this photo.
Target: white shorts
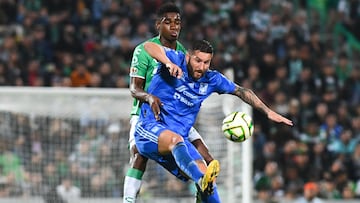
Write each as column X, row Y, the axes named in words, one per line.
column 134, row 119
column 193, row 133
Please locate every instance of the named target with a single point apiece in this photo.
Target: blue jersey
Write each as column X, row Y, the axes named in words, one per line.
column 182, row 98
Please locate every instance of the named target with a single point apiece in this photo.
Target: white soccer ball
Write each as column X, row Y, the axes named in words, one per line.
column 237, row 126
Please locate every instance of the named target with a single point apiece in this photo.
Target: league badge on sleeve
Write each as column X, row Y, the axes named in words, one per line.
column 133, row 71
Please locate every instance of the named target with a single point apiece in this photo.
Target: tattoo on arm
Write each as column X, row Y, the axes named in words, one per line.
column 250, row 97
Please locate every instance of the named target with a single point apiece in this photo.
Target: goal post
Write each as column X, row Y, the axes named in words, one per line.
column 48, row 129
column 240, row 181
column 236, row 165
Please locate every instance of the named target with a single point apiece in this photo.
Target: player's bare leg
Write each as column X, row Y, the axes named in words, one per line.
column 137, row 161
column 200, row 145
column 203, row 150
column 134, row 175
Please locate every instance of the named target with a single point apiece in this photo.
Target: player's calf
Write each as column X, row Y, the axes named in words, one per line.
column 133, row 178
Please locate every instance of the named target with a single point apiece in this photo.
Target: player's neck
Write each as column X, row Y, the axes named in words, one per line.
column 169, row 44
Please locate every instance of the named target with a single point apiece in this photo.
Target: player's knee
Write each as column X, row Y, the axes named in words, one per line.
column 168, row 140
column 138, row 157
column 176, row 139
column 133, row 150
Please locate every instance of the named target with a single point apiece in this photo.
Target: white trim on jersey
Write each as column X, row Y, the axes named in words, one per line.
column 147, row 134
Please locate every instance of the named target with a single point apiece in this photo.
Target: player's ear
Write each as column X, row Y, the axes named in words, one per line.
column 157, row 25
column 187, row 57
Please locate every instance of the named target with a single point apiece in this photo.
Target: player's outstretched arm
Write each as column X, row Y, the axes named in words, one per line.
column 157, row 52
column 250, row 97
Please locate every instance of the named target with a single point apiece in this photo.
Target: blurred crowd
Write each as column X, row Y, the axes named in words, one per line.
column 61, row 158
column 289, row 52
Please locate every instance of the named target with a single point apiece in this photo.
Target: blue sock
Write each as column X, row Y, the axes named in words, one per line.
column 213, row 198
column 185, row 162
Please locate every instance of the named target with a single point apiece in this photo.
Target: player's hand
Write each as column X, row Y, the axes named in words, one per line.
column 174, row 70
column 155, row 105
column 279, row 118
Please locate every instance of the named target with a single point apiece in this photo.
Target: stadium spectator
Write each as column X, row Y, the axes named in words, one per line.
column 344, row 145
column 264, row 180
column 84, row 157
column 311, row 191
column 80, row 76
column 103, row 184
column 60, row 132
column 36, row 188
column 107, row 79
column 321, row 159
column 351, row 89
column 114, row 141
column 67, row 191
column 327, row 188
column 311, row 134
column 93, row 137
column 51, row 176
column 20, row 149
column 61, row 164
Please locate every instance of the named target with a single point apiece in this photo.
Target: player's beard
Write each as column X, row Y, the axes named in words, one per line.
column 194, row 74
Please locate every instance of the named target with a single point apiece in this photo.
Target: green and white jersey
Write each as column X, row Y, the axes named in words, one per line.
column 144, row 66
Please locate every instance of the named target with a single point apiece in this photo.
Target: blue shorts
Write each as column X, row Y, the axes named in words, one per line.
column 146, row 138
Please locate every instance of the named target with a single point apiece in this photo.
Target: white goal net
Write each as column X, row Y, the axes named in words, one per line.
column 55, row 136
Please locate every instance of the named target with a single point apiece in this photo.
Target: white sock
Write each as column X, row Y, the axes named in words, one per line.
column 131, row 189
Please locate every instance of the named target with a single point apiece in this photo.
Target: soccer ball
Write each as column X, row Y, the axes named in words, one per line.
column 237, row 126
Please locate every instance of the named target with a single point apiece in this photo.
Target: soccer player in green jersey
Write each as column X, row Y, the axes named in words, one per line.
column 143, row 66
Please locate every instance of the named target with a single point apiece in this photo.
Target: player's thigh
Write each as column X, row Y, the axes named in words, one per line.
column 153, row 139
column 146, row 141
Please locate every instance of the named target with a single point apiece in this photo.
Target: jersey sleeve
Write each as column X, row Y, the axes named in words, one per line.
column 140, row 62
column 176, row 57
column 223, row 84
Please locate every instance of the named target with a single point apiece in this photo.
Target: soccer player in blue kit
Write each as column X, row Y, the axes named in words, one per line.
column 182, row 82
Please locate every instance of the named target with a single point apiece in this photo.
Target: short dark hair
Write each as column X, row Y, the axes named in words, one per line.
column 203, row 46
column 167, row 8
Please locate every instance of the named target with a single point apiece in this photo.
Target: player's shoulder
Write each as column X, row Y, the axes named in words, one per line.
column 141, row 45
column 155, row 40
column 213, row 75
column 180, row 47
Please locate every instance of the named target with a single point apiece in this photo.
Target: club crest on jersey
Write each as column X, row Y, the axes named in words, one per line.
column 155, row 129
column 133, row 71
column 203, row 88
